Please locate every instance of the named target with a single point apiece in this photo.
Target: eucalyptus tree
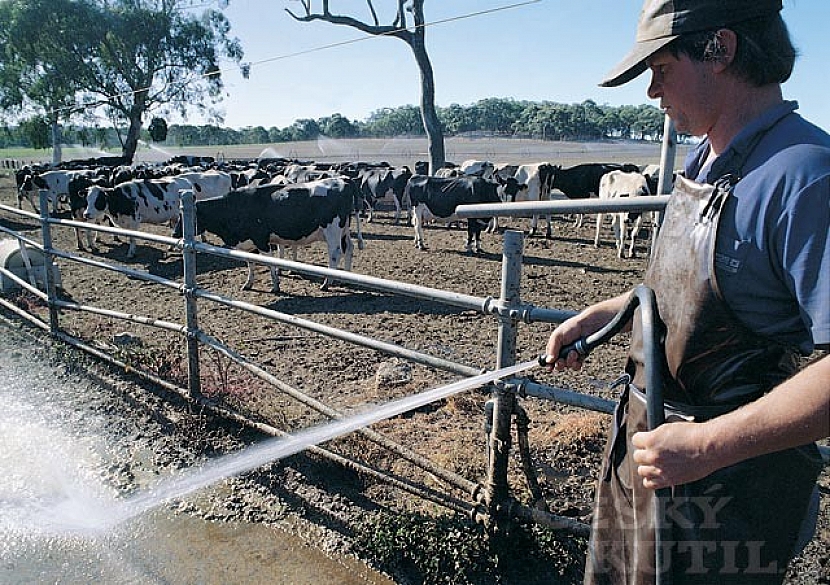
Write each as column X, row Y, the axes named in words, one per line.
column 41, row 60
column 129, row 57
column 156, row 55
column 409, row 26
column 395, row 121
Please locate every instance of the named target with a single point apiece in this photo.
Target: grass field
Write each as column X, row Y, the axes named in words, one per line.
column 396, row 151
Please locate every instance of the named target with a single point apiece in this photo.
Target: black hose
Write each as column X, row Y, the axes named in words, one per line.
column 643, row 297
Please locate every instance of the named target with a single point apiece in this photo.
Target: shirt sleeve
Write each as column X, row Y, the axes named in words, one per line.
column 804, row 248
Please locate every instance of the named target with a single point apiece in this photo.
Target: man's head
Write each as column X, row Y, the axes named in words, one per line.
column 764, row 53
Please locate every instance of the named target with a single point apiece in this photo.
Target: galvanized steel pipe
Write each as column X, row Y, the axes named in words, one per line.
column 531, row 208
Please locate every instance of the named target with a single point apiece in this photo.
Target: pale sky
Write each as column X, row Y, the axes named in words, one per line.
column 554, row 50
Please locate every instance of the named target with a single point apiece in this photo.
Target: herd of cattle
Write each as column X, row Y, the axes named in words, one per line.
column 273, row 204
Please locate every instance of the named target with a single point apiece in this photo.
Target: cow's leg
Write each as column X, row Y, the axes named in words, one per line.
column 534, row 223
column 275, row 279
column 635, row 229
column 78, row 241
column 131, row 249
column 419, row 231
column 337, row 247
column 599, row 226
column 397, row 210
column 249, row 282
column 30, row 199
column 618, row 222
column 360, row 243
column 470, row 236
column 347, row 246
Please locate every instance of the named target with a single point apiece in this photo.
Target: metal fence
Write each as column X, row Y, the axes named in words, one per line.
column 492, row 503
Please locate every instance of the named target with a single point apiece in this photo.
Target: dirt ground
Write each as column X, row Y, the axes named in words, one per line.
column 566, row 272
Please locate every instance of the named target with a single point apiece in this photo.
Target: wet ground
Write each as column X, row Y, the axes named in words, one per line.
column 64, row 461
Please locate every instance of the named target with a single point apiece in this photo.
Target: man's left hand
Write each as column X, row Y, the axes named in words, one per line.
column 672, row 454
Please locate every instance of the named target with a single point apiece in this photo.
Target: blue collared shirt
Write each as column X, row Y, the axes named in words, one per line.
column 772, row 259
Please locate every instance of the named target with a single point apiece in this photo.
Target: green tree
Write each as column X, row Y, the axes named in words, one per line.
column 337, row 126
column 41, row 58
column 129, row 56
column 395, row 122
column 497, row 114
column 304, row 129
column 457, row 119
column 413, row 35
column 152, row 54
column 36, row 131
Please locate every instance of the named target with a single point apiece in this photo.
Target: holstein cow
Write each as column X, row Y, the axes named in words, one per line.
column 208, row 184
column 78, row 188
column 617, row 184
column 129, row 204
column 255, row 219
column 376, row 184
column 400, row 180
column 536, row 177
column 436, row 197
column 56, row 183
column 582, row 181
column 477, row 168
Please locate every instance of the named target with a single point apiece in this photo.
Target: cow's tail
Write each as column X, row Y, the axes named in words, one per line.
column 360, row 244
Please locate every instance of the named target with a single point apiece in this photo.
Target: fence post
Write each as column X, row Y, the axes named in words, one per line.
column 668, row 152
column 511, row 275
column 501, row 407
column 48, row 263
column 188, row 219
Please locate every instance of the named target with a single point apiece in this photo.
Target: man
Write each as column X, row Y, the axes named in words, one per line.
column 741, row 273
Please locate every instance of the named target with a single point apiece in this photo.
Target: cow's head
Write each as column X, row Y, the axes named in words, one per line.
column 508, row 188
column 96, row 202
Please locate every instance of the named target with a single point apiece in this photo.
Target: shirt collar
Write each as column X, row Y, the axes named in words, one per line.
column 742, row 145
column 736, row 154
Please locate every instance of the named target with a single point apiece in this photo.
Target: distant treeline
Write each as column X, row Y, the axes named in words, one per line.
column 492, row 116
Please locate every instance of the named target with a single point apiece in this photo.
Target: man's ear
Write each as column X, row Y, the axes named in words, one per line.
column 724, row 49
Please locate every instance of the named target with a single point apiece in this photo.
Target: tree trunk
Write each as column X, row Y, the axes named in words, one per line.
column 57, row 153
column 131, row 142
column 432, row 125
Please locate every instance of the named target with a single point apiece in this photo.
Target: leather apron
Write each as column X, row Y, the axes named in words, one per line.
column 741, row 524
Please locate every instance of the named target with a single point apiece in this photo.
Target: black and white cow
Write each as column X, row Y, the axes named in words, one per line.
column 617, row 184
column 132, row 203
column 421, row 167
column 377, row 184
column 437, row 197
column 401, row 178
column 56, row 183
column 256, row 219
column 374, row 184
column 78, row 188
column 477, row 168
column 536, row 177
column 582, row 181
column 207, row 184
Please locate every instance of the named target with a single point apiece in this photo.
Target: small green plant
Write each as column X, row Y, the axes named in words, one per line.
column 450, row 549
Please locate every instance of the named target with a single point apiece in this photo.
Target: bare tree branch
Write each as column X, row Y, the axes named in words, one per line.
column 414, row 37
column 372, row 10
column 393, row 30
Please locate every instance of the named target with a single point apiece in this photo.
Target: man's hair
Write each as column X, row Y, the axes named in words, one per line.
column 765, row 53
